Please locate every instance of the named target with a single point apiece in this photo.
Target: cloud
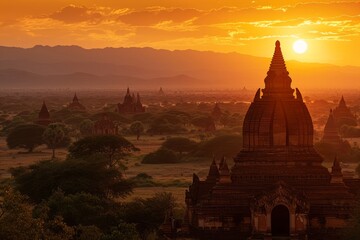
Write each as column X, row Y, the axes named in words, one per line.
column 153, row 16
column 73, row 14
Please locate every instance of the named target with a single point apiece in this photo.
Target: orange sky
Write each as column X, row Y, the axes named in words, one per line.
column 331, row 28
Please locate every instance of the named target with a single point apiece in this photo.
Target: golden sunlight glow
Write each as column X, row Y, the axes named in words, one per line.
column 300, row 46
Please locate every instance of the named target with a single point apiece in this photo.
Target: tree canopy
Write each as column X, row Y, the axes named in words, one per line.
column 137, row 128
column 163, row 155
column 27, row 136
column 111, row 147
column 53, row 135
column 90, row 175
column 179, row 144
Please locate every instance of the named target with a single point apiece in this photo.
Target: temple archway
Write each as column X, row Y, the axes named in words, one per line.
column 280, row 221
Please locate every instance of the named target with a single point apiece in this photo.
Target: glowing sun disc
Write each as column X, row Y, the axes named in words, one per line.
column 300, row 46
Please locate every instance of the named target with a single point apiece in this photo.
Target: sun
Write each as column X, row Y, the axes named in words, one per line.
column 300, row 46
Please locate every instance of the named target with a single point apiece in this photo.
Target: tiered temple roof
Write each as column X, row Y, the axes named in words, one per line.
column 131, row 104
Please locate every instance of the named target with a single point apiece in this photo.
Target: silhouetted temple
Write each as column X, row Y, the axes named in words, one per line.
column 343, row 115
column 131, row 104
column 331, row 134
column 75, row 105
column 44, row 116
column 105, row 126
column 216, row 112
column 277, row 186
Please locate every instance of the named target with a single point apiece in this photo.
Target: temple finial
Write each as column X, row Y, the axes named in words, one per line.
column 277, row 43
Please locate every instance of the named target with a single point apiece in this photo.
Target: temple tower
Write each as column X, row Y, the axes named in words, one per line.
column 44, row 115
column 278, row 186
column 75, row 105
column 331, row 134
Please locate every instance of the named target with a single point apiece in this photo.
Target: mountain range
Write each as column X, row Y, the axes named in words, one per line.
column 76, row 67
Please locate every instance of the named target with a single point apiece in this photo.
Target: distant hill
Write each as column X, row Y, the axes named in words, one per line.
column 73, row 66
column 13, row 78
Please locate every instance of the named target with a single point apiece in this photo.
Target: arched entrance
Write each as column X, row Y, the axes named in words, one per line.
column 280, row 221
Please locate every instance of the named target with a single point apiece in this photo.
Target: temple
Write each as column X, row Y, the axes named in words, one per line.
column 343, row 115
column 331, row 134
column 216, row 113
column 277, row 186
column 130, row 104
column 44, row 116
column 105, row 126
column 75, row 105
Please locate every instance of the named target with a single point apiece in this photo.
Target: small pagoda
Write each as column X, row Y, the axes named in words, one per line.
column 44, row 116
column 343, row 115
column 75, row 105
column 331, row 134
column 131, row 104
column 216, row 113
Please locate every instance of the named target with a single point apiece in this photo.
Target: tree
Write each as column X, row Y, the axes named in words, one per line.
column 16, row 220
column 86, row 127
column 27, row 136
column 137, row 128
column 179, row 144
column 81, row 209
column 148, row 214
column 112, row 147
column 224, row 145
column 123, row 231
column 53, row 135
column 91, row 174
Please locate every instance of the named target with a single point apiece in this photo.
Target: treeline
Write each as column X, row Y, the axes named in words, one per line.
column 181, row 149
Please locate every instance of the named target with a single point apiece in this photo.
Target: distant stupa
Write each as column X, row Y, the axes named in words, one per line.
column 343, row 115
column 75, row 105
column 331, row 133
column 44, row 115
column 161, row 92
column 131, row 104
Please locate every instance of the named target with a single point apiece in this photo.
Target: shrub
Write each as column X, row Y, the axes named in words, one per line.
column 225, row 145
column 162, row 155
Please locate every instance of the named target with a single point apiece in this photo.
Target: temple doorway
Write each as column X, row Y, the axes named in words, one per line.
column 280, row 221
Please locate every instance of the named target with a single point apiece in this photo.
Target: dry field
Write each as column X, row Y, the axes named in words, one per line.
column 177, row 176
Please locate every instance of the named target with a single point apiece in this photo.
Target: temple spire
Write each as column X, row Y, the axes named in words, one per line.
column 277, row 62
column 44, row 112
column 336, row 172
column 224, row 172
column 75, row 99
column 213, row 175
column 277, row 81
column 342, row 102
